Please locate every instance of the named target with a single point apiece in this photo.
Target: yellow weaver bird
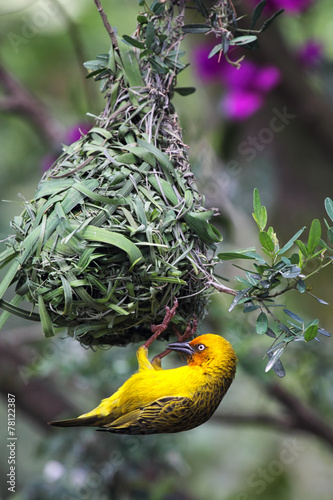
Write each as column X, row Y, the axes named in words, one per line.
column 154, row 400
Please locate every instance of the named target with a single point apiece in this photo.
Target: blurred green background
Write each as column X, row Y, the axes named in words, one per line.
column 271, row 438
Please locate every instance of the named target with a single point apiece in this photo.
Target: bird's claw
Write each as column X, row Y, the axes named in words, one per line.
column 189, row 332
column 158, row 329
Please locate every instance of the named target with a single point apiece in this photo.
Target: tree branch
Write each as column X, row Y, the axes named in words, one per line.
column 17, row 99
column 282, row 424
column 302, row 417
column 106, row 23
column 299, row 417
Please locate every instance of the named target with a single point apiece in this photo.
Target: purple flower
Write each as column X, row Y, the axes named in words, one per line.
column 250, row 76
column 311, row 54
column 238, row 105
column 245, row 88
column 207, row 70
column 75, row 133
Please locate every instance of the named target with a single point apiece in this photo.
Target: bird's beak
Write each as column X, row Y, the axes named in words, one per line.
column 183, row 347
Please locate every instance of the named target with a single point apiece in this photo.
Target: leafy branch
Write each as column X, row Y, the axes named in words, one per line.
column 222, row 21
column 277, row 273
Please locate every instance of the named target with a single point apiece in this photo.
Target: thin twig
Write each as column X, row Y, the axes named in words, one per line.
column 71, row 172
column 106, row 23
column 222, row 288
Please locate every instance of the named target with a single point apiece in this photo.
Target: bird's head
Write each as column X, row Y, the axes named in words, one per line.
column 211, row 352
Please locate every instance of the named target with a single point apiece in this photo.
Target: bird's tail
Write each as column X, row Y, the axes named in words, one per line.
column 92, row 421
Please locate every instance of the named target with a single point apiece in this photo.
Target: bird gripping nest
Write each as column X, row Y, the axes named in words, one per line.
column 117, row 227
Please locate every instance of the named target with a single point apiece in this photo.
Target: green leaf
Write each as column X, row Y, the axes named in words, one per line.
column 200, row 225
column 263, row 217
column 314, row 236
column 290, row 243
column 118, row 309
column 241, row 295
column 330, row 234
column 257, row 13
column 324, row 332
column 130, row 64
column 185, row 90
column 294, row 316
column 93, row 233
column 234, row 255
column 12, row 308
column 256, row 203
column 256, row 257
column 53, row 187
column 329, row 207
column 262, row 323
column 246, row 253
column 302, row 248
column 290, row 272
column 94, row 65
column 321, row 301
column 260, row 212
column 243, row 40
column 167, row 279
column 6, row 256
column 270, row 333
column 294, row 259
column 100, row 198
column 67, row 296
column 266, row 241
column 196, row 28
column 275, row 363
column 274, row 358
column 111, row 60
column 248, row 307
column 150, row 34
column 301, row 286
column 270, row 20
column 162, row 158
column 310, row 332
column 9, row 277
column 45, row 318
column 142, row 19
column 158, row 8
column 215, row 50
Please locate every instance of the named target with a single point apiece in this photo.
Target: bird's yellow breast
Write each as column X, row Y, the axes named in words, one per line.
column 147, row 386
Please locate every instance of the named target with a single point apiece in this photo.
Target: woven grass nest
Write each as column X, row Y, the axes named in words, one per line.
column 117, row 227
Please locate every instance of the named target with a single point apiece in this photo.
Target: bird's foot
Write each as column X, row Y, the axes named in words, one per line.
column 189, row 332
column 158, row 329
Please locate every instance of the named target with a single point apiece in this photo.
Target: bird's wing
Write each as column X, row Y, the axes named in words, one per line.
column 167, row 414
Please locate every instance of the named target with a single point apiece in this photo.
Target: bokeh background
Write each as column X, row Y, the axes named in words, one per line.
column 267, row 125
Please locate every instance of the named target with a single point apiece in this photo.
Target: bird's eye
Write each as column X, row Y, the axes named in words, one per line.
column 201, row 347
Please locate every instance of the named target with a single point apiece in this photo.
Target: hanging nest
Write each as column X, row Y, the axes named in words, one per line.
column 117, row 227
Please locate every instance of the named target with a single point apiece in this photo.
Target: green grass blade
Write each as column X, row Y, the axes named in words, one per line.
column 7, row 280
column 130, row 64
column 161, row 157
column 92, row 233
column 45, row 318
